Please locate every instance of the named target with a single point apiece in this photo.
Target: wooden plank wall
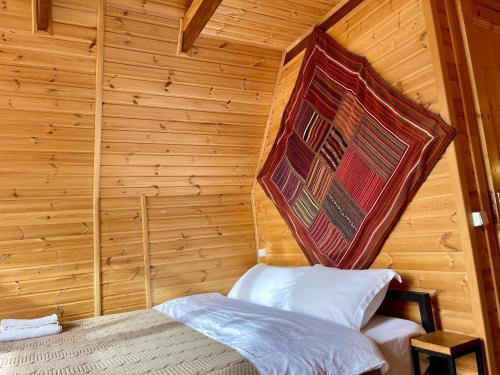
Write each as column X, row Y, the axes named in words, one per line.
column 46, row 125
column 426, row 247
column 481, row 253
column 181, row 134
column 180, row 144
column 185, row 132
column 481, row 22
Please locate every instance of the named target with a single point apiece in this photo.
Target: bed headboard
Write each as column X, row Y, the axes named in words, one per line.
column 424, row 303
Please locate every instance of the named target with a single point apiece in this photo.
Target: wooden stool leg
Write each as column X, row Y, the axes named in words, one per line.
column 452, row 367
column 416, row 361
column 480, row 361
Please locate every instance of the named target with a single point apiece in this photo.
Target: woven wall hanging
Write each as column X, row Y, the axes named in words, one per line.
column 350, row 154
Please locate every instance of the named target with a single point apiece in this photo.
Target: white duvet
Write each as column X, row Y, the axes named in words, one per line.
column 276, row 341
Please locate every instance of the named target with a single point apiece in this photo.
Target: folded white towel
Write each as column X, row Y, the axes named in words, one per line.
column 14, row 334
column 28, row 323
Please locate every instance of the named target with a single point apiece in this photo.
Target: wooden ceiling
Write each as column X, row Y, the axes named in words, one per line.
column 271, row 24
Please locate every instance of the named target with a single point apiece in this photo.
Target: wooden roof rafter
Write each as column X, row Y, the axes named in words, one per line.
column 42, row 15
column 329, row 20
column 197, row 16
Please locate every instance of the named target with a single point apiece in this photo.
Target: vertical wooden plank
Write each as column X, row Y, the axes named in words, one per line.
column 101, row 7
column 145, row 245
column 255, row 228
column 179, row 37
column 460, row 185
column 34, row 16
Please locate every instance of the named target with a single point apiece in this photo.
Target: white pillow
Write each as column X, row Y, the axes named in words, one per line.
column 346, row 297
column 266, row 285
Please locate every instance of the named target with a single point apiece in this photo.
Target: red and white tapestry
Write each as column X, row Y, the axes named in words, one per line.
column 350, row 154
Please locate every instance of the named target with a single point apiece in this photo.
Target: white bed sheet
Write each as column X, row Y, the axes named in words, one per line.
column 392, row 336
column 278, row 342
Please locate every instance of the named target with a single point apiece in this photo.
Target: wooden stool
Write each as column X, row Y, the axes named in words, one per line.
column 448, row 346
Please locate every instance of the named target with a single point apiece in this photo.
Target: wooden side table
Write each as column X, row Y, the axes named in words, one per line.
column 448, row 346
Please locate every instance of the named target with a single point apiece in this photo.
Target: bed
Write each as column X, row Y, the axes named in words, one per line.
column 214, row 334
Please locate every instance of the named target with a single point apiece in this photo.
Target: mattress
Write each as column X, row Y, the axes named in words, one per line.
column 392, row 336
column 212, row 335
column 144, row 342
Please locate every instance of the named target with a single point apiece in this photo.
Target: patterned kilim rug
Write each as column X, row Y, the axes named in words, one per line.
column 349, row 156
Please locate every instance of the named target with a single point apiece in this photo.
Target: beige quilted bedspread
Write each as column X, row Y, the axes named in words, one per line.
column 141, row 342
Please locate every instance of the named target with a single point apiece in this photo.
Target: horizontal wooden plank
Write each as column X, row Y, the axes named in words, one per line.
column 30, row 88
column 179, row 150
column 175, row 114
column 200, row 265
column 194, row 222
column 178, row 89
column 43, row 205
column 59, row 146
column 183, row 127
column 165, row 294
column 122, row 288
column 61, row 13
column 35, row 192
column 199, row 201
column 72, row 31
column 44, row 231
column 164, row 212
column 158, row 8
column 177, row 75
column 32, row 117
column 198, row 276
column 159, row 101
column 133, row 23
column 45, row 257
column 172, row 191
column 157, row 160
column 200, row 232
column 158, row 182
column 165, row 171
column 41, row 218
column 47, row 76
column 66, row 311
column 32, row 58
column 441, row 261
column 20, row 103
column 27, row 287
column 24, row 41
column 34, row 158
column 238, row 48
column 204, row 254
column 48, row 169
column 47, row 131
column 124, row 136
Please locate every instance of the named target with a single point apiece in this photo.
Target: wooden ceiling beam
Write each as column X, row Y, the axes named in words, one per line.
column 330, row 19
column 197, row 16
column 42, row 15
